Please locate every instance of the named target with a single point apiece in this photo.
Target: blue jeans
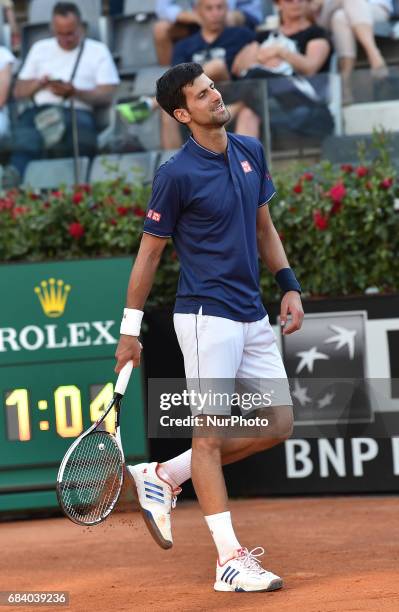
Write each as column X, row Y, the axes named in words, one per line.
column 27, row 142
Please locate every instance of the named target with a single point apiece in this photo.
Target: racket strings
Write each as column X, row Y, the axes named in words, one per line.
column 92, row 478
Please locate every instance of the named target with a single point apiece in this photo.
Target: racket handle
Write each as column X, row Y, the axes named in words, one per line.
column 123, row 378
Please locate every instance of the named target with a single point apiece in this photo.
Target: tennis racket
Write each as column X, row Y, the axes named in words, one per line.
column 90, row 477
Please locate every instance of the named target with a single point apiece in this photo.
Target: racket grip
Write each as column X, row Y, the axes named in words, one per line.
column 123, row 378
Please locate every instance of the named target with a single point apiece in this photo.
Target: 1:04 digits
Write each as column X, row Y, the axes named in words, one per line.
column 68, row 410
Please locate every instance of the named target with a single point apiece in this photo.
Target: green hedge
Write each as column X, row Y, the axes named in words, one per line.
column 338, row 226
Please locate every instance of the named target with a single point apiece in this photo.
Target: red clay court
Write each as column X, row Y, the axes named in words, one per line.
column 336, row 554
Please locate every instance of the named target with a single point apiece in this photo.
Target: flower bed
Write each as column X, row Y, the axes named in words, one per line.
column 338, row 226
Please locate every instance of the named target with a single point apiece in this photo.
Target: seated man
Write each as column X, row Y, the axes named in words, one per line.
column 216, row 47
column 56, row 71
column 176, row 23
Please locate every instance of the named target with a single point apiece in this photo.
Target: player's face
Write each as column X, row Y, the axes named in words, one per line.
column 67, row 30
column 205, row 105
column 213, row 13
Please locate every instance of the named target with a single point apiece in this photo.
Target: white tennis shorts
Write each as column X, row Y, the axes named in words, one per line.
column 238, row 354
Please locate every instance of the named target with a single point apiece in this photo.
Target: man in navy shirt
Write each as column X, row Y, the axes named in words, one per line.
column 212, row 199
column 216, row 45
column 176, row 20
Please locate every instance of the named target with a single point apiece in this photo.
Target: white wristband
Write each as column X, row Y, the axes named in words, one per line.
column 131, row 322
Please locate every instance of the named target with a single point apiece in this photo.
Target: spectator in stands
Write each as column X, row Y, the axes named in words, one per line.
column 299, row 48
column 8, row 7
column 216, row 47
column 46, row 77
column 6, row 64
column 176, row 23
column 351, row 21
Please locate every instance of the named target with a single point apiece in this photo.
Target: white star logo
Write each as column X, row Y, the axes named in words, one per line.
column 344, row 337
column 326, row 400
column 301, row 394
column 308, row 358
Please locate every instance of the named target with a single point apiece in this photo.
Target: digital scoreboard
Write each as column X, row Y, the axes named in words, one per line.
column 59, row 327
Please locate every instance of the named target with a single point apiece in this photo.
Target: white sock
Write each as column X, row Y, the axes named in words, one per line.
column 223, row 535
column 176, row 470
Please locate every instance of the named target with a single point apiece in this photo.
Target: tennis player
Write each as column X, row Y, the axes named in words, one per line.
column 212, row 199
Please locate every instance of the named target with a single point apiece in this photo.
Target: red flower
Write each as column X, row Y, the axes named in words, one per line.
column 139, row 212
column 362, row 171
column 34, row 196
column 126, row 190
column 112, row 222
column 6, row 204
column 347, row 168
column 386, row 183
column 19, row 210
column 298, row 188
column 85, row 188
column 308, row 176
column 122, row 210
column 77, row 197
column 337, row 192
column 46, row 205
column 320, row 221
column 76, row 230
column 57, row 193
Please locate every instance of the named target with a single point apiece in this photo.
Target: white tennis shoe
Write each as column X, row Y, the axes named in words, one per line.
column 244, row 573
column 156, row 498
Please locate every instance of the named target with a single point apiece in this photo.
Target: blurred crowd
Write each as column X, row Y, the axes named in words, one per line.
column 70, row 75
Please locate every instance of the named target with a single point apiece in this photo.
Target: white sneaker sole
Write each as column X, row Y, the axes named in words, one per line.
column 149, row 519
column 274, row 585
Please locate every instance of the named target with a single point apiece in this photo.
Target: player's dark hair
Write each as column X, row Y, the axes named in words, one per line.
column 66, row 8
column 170, row 94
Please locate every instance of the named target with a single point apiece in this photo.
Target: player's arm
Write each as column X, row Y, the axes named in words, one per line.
column 140, row 283
column 272, row 254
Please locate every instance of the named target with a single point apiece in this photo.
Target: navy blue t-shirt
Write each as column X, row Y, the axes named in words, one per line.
column 196, row 49
column 207, row 202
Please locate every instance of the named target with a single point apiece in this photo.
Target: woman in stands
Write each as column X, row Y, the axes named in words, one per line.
column 351, row 21
column 299, row 47
column 6, row 64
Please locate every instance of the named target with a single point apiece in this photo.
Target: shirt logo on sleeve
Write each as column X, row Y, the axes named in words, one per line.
column 155, row 216
column 246, row 166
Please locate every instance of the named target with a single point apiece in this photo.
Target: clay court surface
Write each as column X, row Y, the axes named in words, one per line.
column 335, row 554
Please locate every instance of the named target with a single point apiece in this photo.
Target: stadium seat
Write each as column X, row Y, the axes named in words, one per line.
column 135, row 167
column 104, row 168
column 139, row 166
column 132, row 7
column 51, row 173
column 344, row 149
column 132, row 43
column 147, row 132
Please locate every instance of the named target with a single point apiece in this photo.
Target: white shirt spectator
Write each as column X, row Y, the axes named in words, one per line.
column 6, row 59
column 169, row 9
column 47, row 58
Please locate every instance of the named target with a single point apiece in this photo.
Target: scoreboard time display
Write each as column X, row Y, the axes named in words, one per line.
column 59, row 327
